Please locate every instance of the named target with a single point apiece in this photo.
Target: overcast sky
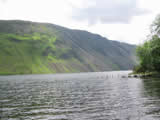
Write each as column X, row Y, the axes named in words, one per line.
column 121, row 20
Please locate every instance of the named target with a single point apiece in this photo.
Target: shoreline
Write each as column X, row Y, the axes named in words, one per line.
column 145, row 75
column 9, row 74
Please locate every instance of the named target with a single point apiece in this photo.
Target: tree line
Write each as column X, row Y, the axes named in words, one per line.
column 149, row 52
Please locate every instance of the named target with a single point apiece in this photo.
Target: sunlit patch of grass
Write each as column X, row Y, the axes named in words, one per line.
column 23, row 54
column 32, row 54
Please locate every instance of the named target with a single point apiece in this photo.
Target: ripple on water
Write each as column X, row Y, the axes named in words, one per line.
column 85, row 96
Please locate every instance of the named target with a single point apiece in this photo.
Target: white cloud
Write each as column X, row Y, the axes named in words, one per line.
column 106, row 11
column 3, row 1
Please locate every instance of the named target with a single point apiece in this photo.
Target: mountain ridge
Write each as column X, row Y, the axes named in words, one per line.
column 50, row 48
column 27, row 21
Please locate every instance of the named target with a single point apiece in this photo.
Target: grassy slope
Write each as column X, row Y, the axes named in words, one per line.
column 30, row 48
column 31, row 53
column 22, row 54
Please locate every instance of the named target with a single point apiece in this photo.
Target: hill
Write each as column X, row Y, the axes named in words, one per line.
column 30, row 48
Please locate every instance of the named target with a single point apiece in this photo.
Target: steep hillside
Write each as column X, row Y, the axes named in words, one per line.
column 28, row 47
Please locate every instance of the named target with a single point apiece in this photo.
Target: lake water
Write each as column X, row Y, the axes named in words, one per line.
column 84, row 96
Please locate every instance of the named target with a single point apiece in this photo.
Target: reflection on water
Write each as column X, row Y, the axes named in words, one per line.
column 152, row 87
column 152, row 92
column 85, row 96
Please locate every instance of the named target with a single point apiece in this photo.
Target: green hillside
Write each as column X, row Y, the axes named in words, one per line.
column 31, row 48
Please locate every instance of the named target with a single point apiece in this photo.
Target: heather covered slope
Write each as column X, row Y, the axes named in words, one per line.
column 31, row 48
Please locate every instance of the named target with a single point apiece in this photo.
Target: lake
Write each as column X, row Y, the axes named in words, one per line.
column 81, row 96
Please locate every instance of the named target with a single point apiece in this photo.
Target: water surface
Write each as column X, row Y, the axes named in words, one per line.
column 83, row 96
